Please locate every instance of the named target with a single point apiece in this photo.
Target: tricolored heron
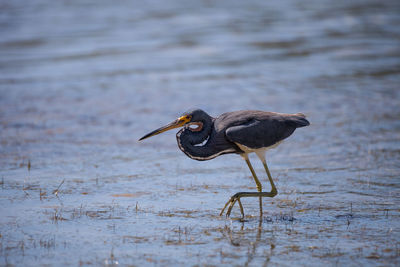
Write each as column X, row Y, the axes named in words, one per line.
column 242, row 132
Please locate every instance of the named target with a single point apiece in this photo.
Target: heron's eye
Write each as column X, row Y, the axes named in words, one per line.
column 195, row 126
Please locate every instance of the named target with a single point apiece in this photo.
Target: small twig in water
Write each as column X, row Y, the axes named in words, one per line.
column 55, row 192
column 41, row 193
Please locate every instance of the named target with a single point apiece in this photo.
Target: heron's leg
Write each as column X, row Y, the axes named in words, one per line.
column 260, row 194
column 259, row 186
column 264, row 162
column 236, row 197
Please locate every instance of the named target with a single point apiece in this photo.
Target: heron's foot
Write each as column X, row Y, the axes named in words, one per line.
column 231, row 202
column 236, row 197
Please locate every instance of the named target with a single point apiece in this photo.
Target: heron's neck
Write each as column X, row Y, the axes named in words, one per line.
column 195, row 144
column 197, row 152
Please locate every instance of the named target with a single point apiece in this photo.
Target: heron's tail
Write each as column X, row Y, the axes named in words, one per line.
column 299, row 120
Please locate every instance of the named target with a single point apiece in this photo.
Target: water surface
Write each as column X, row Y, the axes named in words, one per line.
column 81, row 81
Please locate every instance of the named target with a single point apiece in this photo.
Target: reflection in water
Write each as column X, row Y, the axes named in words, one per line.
column 245, row 238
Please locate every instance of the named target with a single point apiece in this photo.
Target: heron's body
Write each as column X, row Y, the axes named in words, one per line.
column 239, row 132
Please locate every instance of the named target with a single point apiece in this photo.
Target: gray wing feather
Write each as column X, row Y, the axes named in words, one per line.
column 298, row 120
column 258, row 134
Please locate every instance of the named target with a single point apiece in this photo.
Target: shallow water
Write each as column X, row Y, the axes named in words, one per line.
column 81, row 81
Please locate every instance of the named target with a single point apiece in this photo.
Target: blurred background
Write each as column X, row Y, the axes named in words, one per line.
column 82, row 81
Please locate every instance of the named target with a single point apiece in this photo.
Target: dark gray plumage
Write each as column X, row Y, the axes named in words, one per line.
column 239, row 132
column 253, row 129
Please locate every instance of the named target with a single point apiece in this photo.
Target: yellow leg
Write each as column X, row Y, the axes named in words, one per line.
column 259, row 186
column 273, row 188
column 260, row 194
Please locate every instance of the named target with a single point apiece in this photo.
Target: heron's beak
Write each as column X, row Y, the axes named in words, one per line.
column 175, row 124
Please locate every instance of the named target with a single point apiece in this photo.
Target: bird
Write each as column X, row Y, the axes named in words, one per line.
column 204, row 137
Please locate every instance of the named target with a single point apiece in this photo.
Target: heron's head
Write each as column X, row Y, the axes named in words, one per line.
column 191, row 119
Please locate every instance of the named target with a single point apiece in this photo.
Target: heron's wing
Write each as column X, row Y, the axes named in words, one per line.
column 260, row 133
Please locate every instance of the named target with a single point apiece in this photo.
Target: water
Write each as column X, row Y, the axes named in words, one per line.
column 81, row 81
